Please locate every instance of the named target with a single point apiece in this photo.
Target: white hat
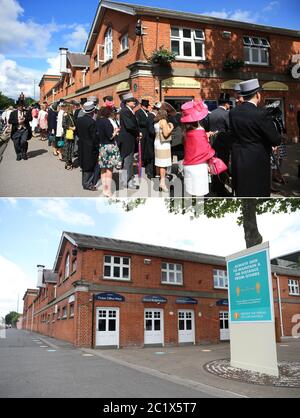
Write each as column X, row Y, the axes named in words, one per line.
column 157, row 105
column 128, row 97
column 89, row 107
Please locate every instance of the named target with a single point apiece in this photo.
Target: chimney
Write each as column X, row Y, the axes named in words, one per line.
column 63, row 59
column 40, row 275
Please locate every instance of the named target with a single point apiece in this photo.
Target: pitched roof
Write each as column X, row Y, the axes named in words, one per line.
column 147, row 250
column 49, row 276
column 78, row 60
column 135, row 10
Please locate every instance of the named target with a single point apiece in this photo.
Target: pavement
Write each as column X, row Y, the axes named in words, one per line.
column 33, row 367
column 44, row 176
column 183, row 366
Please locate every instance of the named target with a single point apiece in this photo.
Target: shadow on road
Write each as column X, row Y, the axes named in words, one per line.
column 37, row 153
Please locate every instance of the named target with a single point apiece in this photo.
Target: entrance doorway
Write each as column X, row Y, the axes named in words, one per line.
column 107, row 327
column 154, row 327
column 224, row 326
column 186, row 326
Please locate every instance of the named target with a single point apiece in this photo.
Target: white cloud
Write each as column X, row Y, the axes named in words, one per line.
column 77, row 38
column 22, row 38
column 13, row 283
column 54, row 64
column 151, row 223
column 15, row 78
column 273, row 5
column 239, row 15
column 61, row 210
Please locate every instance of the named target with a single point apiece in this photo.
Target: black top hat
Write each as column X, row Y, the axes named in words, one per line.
column 224, row 98
column 145, row 103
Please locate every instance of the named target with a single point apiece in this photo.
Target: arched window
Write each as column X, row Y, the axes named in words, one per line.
column 67, row 267
column 108, row 45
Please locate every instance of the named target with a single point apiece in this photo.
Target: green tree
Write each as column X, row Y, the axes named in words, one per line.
column 5, row 101
column 12, row 318
column 247, row 210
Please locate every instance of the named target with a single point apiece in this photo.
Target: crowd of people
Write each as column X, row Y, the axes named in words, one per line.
column 226, row 152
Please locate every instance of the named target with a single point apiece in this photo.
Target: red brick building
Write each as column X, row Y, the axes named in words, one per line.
column 106, row 292
column 115, row 59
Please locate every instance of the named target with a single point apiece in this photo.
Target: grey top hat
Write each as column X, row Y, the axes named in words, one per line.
column 128, row 97
column 237, row 88
column 89, row 107
column 93, row 99
column 249, row 87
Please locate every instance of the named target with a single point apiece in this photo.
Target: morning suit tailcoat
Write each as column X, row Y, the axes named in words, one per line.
column 142, row 118
column 13, row 120
column 254, row 135
column 88, row 143
column 148, row 154
column 129, row 132
column 219, row 121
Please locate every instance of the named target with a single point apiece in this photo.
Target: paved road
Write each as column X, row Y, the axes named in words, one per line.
column 44, row 176
column 28, row 369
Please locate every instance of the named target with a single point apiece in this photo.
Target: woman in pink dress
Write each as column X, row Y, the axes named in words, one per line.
column 43, row 122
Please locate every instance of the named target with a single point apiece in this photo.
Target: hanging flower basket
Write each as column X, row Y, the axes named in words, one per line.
column 162, row 56
column 233, row 63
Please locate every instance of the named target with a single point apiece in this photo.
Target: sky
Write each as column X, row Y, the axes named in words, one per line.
column 30, row 232
column 31, row 32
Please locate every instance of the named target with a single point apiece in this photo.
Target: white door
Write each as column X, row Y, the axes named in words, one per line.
column 154, row 326
column 107, row 327
column 186, row 326
column 224, row 326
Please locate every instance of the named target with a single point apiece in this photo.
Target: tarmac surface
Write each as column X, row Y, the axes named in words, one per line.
column 32, row 367
column 42, row 175
column 184, row 366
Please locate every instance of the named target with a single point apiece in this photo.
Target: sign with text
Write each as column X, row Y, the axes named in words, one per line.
column 250, row 288
column 154, row 299
column 251, row 311
column 112, row 297
column 186, row 301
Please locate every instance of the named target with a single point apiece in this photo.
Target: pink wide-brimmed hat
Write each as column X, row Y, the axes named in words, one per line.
column 193, row 111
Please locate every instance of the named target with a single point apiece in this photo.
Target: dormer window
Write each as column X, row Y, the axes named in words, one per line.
column 108, row 45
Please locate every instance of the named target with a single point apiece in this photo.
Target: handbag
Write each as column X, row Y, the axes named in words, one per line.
column 177, row 137
column 216, row 166
column 51, row 138
column 69, row 134
column 60, row 143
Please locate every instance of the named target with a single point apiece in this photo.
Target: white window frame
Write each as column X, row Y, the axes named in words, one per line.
column 294, row 289
column 126, row 37
column 64, row 309
column 219, row 274
column 72, row 306
column 167, row 270
column 112, row 265
column 193, row 39
column 67, row 267
column 262, row 45
column 108, row 45
column 96, row 61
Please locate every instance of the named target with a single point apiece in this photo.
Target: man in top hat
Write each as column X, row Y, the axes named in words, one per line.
column 21, row 132
column 129, row 133
column 88, row 147
column 254, row 134
column 149, row 156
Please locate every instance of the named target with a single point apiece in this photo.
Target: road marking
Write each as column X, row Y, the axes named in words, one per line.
column 206, row 351
column 87, row 355
column 51, row 351
column 43, row 346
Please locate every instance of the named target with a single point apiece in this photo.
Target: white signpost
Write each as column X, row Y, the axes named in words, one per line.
column 251, row 311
